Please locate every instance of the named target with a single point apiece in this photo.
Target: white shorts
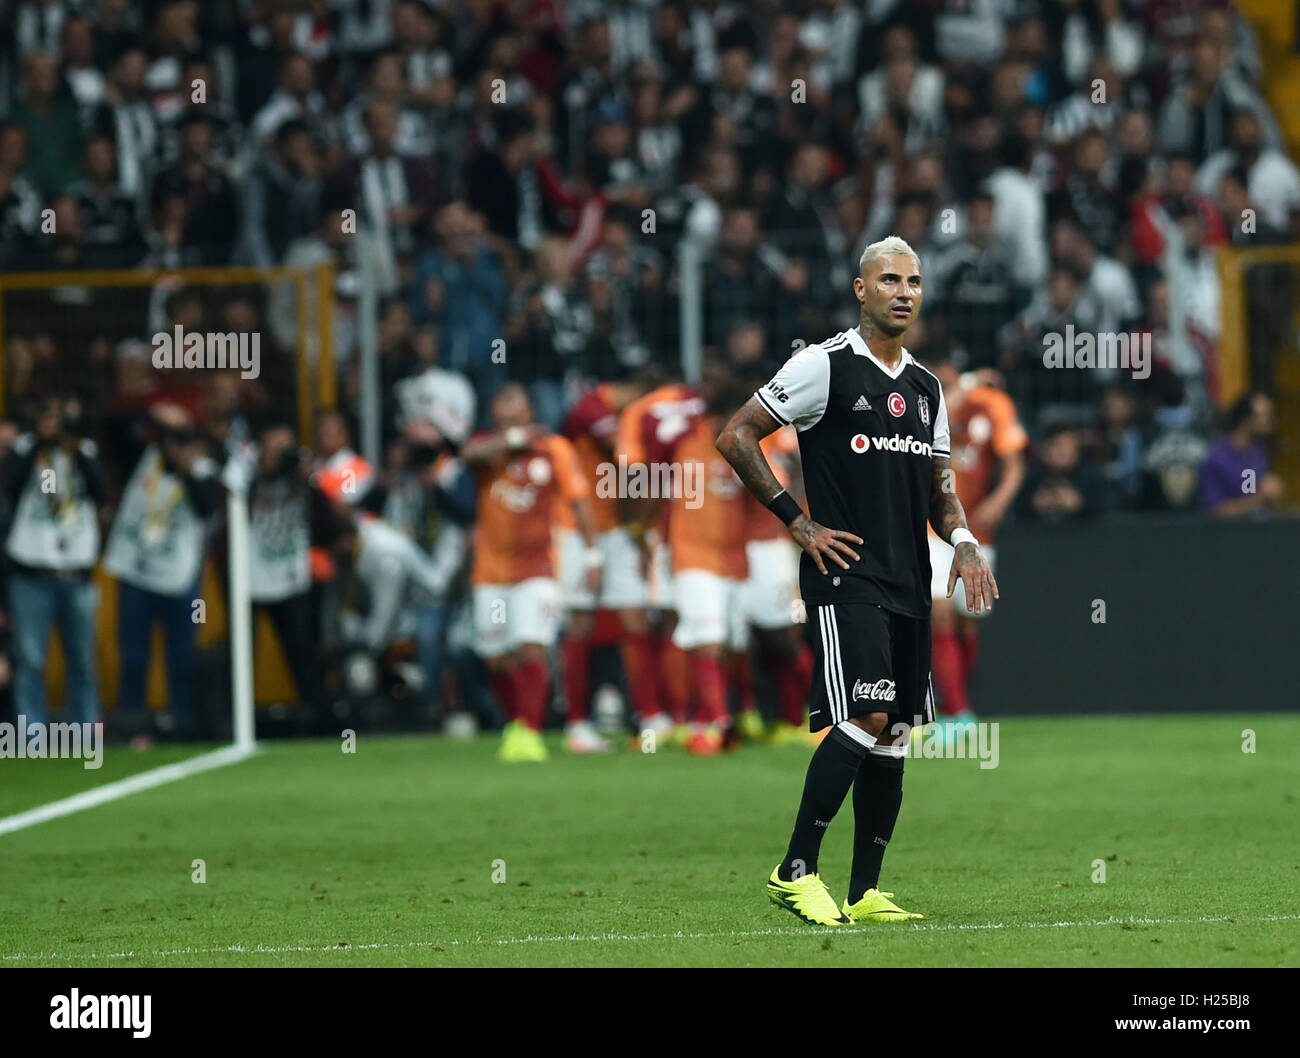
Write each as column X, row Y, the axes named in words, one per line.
column 941, row 566
column 506, row 616
column 772, row 588
column 709, row 611
column 622, row 587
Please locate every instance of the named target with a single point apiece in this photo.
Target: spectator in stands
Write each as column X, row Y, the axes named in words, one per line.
column 78, row 66
column 1199, row 113
column 1100, row 29
column 750, row 280
column 126, row 117
column 1106, row 283
column 625, row 286
column 108, row 214
column 386, row 83
column 1019, row 212
column 20, row 203
column 460, row 286
column 47, row 110
column 392, row 192
column 801, row 224
column 502, row 183
column 1089, row 194
column 1235, row 480
column 1245, row 222
column 1063, row 485
column 549, row 332
column 54, row 486
column 1166, row 201
column 66, row 248
column 282, row 196
column 211, row 215
column 296, row 97
column 155, row 550
column 336, row 241
column 1122, row 446
column 1272, row 178
column 201, row 86
column 1061, row 311
column 975, row 281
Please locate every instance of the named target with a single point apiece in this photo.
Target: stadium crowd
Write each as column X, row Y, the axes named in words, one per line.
column 528, row 180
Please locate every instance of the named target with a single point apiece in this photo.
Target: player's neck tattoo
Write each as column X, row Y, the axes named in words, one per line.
column 890, row 350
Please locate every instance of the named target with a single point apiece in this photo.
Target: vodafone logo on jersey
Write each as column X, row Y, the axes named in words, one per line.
column 897, row 405
column 908, row 445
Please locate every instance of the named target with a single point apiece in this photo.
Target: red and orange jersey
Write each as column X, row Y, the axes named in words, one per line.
column 592, row 427
column 629, row 441
column 707, row 507
column 782, row 451
column 985, row 430
column 518, row 497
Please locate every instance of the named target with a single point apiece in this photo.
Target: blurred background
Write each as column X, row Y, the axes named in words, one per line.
column 412, row 203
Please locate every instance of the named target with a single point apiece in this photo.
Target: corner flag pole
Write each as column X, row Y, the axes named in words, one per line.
column 241, row 619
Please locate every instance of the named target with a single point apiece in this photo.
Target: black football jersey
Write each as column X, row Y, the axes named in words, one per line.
column 867, row 436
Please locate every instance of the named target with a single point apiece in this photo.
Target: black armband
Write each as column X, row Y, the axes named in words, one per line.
column 784, row 507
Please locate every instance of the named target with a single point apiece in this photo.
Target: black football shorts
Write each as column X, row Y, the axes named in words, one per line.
column 869, row 660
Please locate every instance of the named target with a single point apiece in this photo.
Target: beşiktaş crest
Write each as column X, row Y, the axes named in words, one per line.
column 923, row 407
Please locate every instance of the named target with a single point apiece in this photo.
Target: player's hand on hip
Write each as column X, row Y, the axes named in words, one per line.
column 969, row 563
column 822, row 543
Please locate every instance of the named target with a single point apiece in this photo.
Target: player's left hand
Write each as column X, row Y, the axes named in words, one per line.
column 969, row 563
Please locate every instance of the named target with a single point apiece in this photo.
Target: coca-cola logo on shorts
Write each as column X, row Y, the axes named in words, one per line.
column 880, row 691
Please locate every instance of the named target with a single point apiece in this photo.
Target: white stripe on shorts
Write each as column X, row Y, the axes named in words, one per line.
column 833, row 627
column 829, row 674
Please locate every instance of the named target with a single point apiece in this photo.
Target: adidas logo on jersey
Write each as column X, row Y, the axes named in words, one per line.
column 862, row 405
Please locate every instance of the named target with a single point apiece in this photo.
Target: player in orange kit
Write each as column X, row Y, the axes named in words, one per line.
column 658, row 671
column 706, row 542
column 772, row 604
column 522, row 471
column 591, row 427
column 988, row 463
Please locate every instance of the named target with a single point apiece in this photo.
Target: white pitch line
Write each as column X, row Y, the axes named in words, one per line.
column 604, row 938
column 145, row 780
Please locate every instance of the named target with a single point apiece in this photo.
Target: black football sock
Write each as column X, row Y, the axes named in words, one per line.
column 831, row 772
column 877, row 797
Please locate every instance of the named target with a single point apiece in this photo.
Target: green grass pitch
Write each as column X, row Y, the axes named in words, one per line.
column 388, row 856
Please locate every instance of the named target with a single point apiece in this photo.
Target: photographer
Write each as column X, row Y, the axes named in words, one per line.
column 286, row 511
column 413, row 550
column 55, row 486
column 155, row 549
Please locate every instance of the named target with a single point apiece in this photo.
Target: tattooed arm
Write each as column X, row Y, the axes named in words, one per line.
column 968, row 562
column 739, row 445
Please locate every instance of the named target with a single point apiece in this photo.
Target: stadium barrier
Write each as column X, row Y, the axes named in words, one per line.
column 1141, row 614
